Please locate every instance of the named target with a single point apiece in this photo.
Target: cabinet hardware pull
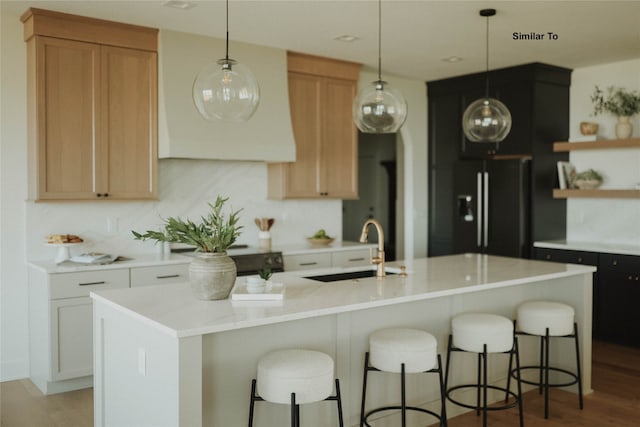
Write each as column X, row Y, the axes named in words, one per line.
column 355, row 259
column 548, row 256
column 92, row 283
column 169, row 276
column 630, row 277
column 580, row 259
column 308, row 263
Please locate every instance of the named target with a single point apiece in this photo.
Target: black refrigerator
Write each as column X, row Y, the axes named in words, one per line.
column 492, row 207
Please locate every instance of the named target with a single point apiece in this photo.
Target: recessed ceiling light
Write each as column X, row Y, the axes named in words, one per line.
column 179, row 4
column 347, row 38
column 452, row 59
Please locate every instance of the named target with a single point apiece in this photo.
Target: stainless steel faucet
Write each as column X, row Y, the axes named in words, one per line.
column 379, row 259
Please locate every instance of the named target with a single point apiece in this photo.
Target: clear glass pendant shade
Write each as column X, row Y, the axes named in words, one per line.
column 379, row 108
column 486, row 120
column 226, row 90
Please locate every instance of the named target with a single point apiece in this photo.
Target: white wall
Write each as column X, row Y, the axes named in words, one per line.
column 614, row 221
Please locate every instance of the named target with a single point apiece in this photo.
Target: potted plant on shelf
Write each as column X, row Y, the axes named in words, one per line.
column 588, row 180
column 621, row 103
column 212, row 272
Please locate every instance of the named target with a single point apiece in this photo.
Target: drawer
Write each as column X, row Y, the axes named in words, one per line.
column 69, row 285
column 622, row 263
column 567, row 256
column 159, row 275
column 358, row 258
column 307, row 261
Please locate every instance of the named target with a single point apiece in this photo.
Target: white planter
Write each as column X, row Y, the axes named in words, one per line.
column 212, row 275
column 623, row 127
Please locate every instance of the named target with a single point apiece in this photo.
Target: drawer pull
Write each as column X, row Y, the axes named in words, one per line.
column 356, row 259
column 92, row 283
column 169, row 276
column 548, row 256
column 308, row 263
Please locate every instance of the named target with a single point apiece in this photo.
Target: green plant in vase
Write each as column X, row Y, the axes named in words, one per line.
column 621, row 103
column 212, row 273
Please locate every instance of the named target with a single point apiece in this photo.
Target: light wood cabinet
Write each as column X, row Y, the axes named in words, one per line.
column 92, row 101
column 597, row 145
column 321, row 92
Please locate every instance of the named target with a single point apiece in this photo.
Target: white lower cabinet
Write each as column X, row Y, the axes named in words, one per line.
column 355, row 258
column 159, row 275
column 61, row 326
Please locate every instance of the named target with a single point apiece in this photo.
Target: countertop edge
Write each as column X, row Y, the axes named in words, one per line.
column 589, row 247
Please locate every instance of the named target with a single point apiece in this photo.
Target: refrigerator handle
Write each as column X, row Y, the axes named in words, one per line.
column 486, row 209
column 480, row 220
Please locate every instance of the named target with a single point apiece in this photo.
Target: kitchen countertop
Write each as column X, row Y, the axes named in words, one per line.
column 173, row 310
column 153, row 259
column 590, row 247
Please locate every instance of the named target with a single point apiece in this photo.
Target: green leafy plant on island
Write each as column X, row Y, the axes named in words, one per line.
column 215, row 232
column 616, row 101
column 265, row 272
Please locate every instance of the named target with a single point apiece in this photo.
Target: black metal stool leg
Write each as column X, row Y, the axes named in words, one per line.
column 484, row 386
column 541, row 364
column 518, row 382
column 403, row 396
column 443, row 408
column 578, row 368
column 546, row 375
column 446, row 374
column 339, row 399
column 364, row 387
column 251, row 405
column 478, row 392
column 293, row 410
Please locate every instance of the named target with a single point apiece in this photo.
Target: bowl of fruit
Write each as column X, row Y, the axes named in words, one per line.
column 320, row 239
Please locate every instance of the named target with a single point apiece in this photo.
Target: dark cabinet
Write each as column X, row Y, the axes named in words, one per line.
column 619, row 295
column 616, row 292
column 537, row 96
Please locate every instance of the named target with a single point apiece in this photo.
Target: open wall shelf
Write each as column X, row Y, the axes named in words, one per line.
column 596, row 145
column 609, row 194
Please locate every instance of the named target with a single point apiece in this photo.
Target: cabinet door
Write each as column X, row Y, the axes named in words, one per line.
column 71, row 326
column 67, row 92
column 302, row 177
column 159, row 275
column 129, row 133
column 517, row 96
column 356, row 258
column 307, row 261
column 339, row 148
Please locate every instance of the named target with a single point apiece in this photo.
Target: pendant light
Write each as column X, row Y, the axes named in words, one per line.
column 486, row 119
column 225, row 89
column 379, row 108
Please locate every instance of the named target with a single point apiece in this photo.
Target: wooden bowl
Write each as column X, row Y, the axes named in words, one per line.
column 314, row 241
column 587, row 184
column 588, row 128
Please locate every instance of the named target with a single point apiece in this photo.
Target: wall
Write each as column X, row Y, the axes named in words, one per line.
column 614, row 221
column 185, row 187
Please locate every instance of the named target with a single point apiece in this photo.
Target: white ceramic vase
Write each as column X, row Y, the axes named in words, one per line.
column 624, row 127
column 212, row 275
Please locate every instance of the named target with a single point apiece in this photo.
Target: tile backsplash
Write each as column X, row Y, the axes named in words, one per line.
column 185, row 188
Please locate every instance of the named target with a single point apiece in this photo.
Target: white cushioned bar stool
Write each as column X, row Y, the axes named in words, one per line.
column 548, row 319
column 483, row 333
column 402, row 351
column 295, row 377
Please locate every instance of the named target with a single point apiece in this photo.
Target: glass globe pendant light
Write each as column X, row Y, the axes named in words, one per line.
column 226, row 90
column 486, row 119
column 379, row 108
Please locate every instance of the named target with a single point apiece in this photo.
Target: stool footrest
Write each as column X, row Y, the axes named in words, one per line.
column 398, row 408
column 540, row 384
column 511, row 394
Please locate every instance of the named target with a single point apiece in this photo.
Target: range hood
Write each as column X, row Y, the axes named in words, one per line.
column 183, row 133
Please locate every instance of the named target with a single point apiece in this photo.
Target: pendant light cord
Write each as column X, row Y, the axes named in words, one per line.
column 380, row 40
column 487, row 61
column 226, row 54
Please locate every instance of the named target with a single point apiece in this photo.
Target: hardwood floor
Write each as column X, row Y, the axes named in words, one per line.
column 615, row 401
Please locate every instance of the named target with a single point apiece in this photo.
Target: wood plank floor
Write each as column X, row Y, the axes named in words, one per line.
column 615, row 401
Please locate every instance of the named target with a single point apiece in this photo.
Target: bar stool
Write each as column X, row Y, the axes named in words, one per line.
column 295, row 377
column 547, row 319
column 483, row 334
column 402, row 351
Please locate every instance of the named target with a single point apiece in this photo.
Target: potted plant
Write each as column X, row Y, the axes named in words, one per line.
column 619, row 102
column 588, row 180
column 212, row 272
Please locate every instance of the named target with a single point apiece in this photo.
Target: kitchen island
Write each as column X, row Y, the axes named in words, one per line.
column 162, row 357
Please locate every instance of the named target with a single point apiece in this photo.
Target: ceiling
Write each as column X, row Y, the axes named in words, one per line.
column 416, row 35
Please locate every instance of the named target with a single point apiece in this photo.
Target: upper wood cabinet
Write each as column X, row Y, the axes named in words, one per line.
column 92, row 101
column 321, row 92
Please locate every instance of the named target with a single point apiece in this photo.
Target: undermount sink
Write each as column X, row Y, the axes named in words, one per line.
column 361, row 274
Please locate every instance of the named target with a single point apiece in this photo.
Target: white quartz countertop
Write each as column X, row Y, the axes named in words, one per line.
column 590, row 247
column 173, row 309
